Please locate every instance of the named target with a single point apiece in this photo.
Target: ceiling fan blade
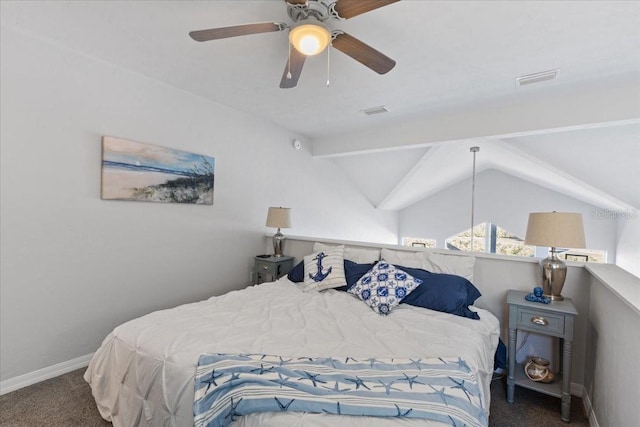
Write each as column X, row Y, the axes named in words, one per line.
column 349, row 8
column 363, row 53
column 237, row 30
column 294, row 66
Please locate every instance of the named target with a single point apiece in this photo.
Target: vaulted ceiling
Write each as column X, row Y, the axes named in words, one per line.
column 453, row 86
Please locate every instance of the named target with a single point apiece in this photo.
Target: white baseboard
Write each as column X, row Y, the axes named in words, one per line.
column 34, row 377
column 588, row 408
column 579, row 390
column 576, row 389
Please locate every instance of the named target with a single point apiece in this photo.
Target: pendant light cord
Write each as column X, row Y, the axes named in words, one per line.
column 289, row 64
column 474, row 150
column 329, row 64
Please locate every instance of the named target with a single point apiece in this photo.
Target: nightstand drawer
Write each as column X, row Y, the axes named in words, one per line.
column 267, row 268
column 541, row 321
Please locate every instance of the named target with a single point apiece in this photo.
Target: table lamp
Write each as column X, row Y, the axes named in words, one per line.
column 278, row 218
column 554, row 229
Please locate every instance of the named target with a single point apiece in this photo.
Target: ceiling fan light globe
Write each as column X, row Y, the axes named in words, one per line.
column 309, row 39
column 309, row 45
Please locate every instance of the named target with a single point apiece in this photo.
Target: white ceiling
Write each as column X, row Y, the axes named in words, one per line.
column 453, row 85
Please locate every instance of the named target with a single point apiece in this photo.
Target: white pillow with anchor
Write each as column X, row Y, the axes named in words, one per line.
column 324, row 270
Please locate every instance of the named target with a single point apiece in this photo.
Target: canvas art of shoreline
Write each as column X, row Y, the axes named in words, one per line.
column 143, row 172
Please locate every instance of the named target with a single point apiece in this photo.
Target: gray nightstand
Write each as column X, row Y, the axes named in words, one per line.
column 555, row 319
column 269, row 268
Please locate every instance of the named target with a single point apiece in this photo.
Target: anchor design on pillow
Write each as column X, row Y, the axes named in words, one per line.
column 320, row 276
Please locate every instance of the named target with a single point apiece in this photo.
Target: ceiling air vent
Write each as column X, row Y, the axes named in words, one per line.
column 536, row 78
column 375, row 110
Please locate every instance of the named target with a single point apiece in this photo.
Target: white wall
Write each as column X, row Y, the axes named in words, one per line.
column 74, row 266
column 503, row 200
column 612, row 354
column 628, row 244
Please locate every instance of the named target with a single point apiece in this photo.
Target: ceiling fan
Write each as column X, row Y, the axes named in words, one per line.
column 309, row 34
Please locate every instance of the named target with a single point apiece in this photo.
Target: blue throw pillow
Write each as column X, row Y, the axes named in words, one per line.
column 296, row 274
column 443, row 292
column 353, row 272
column 384, row 286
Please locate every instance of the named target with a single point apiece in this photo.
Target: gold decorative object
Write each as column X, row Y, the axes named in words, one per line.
column 537, row 369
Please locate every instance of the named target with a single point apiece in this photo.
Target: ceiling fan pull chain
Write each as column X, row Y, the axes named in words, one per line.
column 289, row 64
column 329, row 65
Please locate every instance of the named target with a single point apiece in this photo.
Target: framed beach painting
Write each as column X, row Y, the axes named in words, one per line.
column 143, row 172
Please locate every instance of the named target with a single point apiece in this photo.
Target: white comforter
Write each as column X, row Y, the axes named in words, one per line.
column 143, row 373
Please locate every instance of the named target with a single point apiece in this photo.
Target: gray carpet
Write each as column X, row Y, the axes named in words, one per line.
column 66, row 401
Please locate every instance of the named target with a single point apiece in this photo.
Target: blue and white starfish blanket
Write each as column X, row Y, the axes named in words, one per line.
column 228, row 386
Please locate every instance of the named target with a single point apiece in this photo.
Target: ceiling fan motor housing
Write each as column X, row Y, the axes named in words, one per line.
column 318, row 9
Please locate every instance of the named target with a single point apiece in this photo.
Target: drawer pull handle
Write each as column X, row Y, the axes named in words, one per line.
column 539, row 320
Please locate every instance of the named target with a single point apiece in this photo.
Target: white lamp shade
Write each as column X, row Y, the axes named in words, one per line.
column 279, row 217
column 555, row 230
column 309, row 39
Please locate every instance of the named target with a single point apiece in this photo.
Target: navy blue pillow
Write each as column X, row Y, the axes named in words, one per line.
column 296, row 274
column 352, row 272
column 442, row 292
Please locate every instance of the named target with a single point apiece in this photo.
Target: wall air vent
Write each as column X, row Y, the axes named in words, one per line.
column 375, row 110
column 536, row 78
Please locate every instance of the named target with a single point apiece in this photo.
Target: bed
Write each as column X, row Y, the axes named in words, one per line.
column 145, row 369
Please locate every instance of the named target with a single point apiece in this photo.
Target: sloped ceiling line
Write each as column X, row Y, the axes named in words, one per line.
column 533, row 169
column 421, row 165
column 446, row 164
column 443, row 166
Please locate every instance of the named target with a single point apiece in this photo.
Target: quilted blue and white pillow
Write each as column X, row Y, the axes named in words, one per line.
column 384, row 286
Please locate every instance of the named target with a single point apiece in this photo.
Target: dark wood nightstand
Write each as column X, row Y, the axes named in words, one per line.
column 270, row 268
column 555, row 319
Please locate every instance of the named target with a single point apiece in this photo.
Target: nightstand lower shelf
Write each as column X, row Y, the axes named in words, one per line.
column 552, row 389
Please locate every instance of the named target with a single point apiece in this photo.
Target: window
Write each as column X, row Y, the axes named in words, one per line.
column 418, row 242
column 462, row 240
column 584, row 255
column 510, row 244
column 490, row 238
